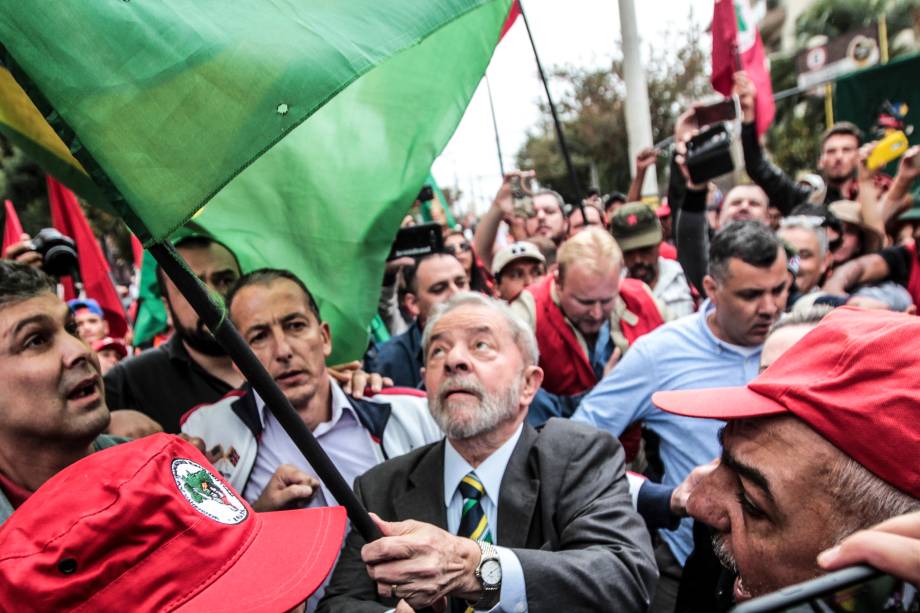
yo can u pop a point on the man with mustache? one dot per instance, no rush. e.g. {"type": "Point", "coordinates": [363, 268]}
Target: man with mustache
{"type": "Point", "coordinates": [720, 344]}
{"type": "Point", "coordinates": [638, 233]}
{"type": "Point", "coordinates": [496, 514]}
{"type": "Point", "coordinates": [817, 447]}
{"type": "Point", "coordinates": [52, 408]}
{"type": "Point", "coordinates": [191, 368]}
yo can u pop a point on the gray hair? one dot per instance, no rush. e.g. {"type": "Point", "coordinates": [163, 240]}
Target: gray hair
{"type": "Point", "coordinates": [811, 316]}
{"type": "Point", "coordinates": [865, 499]}
{"type": "Point", "coordinates": [521, 333]}
{"type": "Point", "coordinates": [806, 222]}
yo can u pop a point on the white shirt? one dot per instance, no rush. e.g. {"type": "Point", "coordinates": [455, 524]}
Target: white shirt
{"type": "Point", "coordinates": [513, 591]}
{"type": "Point", "coordinates": [343, 438]}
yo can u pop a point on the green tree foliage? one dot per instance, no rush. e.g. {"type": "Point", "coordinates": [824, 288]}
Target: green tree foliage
{"type": "Point", "coordinates": [593, 115]}
{"type": "Point", "coordinates": [794, 138]}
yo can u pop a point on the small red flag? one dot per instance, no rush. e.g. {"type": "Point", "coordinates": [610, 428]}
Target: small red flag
{"type": "Point", "coordinates": [68, 218]}
{"type": "Point", "coordinates": [513, 14]}
{"type": "Point", "coordinates": [12, 229]}
{"type": "Point", "coordinates": [736, 45]}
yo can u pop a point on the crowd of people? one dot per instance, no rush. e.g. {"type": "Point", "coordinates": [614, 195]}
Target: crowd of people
{"type": "Point", "coordinates": [602, 405]}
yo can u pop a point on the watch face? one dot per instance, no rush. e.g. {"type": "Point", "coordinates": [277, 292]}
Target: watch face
{"type": "Point", "coordinates": [491, 572]}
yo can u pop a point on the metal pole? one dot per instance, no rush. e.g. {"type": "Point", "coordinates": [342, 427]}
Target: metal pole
{"type": "Point", "coordinates": [552, 109]}
{"type": "Point", "coordinates": [498, 143]}
{"type": "Point", "coordinates": [229, 337]}
{"type": "Point", "coordinates": [638, 118]}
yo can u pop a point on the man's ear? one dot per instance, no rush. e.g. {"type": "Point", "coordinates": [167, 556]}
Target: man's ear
{"type": "Point", "coordinates": [710, 286]}
{"type": "Point", "coordinates": [533, 378]}
{"type": "Point", "coordinates": [327, 339]}
{"type": "Point", "coordinates": [556, 276]}
{"type": "Point", "coordinates": [411, 302]}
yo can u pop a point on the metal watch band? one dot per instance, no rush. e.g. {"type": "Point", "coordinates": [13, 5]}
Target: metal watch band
{"type": "Point", "coordinates": [490, 594]}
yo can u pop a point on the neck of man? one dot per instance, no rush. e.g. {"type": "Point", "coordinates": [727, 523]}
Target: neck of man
{"type": "Point", "coordinates": [220, 366]}
{"type": "Point", "coordinates": [475, 450]}
{"type": "Point", "coordinates": [29, 463]}
{"type": "Point", "coordinates": [318, 408]}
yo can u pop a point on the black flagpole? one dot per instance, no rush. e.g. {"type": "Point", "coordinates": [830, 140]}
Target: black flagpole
{"type": "Point", "coordinates": [214, 316]}
{"type": "Point", "coordinates": [552, 108]}
{"type": "Point", "coordinates": [498, 143]}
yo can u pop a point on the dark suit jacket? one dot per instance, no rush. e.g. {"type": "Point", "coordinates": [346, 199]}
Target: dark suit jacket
{"type": "Point", "coordinates": [564, 509]}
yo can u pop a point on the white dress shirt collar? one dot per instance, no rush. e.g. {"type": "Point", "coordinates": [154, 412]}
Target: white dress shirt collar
{"type": "Point", "coordinates": [490, 472]}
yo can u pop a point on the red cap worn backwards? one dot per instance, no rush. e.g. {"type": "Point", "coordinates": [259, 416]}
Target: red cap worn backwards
{"type": "Point", "coordinates": [149, 525]}
{"type": "Point", "coordinates": [853, 379]}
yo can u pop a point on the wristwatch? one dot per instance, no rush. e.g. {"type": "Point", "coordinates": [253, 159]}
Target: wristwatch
{"type": "Point", "coordinates": [489, 574]}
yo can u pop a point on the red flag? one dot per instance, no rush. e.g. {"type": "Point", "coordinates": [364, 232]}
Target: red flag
{"type": "Point", "coordinates": [68, 218]}
{"type": "Point", "coordinates": [12, 229]}
{"type": "Point", "coordinates": [513, 14]}
{"type": "Point", "coordinates": [736, 45]}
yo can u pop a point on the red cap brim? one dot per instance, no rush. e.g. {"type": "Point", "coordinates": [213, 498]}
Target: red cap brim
{"type": "Point", "coordinates": [288, 560]}
{"type": "Point", "coordinates": [725, 403]}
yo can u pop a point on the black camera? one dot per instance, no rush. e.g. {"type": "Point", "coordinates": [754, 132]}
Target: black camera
{"type": "Point", "coordinates": [425, 194]}
{"type": "Point", "coordinates": [709, 154]}
{"type": "Point", "coordinates": [59, 252]}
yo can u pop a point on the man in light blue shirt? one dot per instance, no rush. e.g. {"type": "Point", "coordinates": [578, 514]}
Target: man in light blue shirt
{"type": "Point", "coordinates": [497, 517]}
{"type": "Point", "coordinates": [747, 287]}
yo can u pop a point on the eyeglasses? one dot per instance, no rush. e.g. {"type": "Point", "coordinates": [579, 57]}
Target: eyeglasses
{"type": "Point", "coordinates": [463, 247]}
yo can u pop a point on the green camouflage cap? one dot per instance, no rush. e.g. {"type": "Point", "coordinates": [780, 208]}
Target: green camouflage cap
{"type": "Point", "coordinates": [635, 226]}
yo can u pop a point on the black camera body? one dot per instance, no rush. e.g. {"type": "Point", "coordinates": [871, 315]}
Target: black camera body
{"type": "Point", "coordinates": [709, 154]}
{"type": "Point", "coordinates": [59, 252]}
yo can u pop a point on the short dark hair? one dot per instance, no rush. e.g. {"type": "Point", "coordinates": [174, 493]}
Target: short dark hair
{"type": "Point", "coordinates": [613, 197]}
{"type": "Point", "coordinates": [193, 241]}
{"type": "Point", "coordinates": [20, 282]}
{"type": "Point", "coordinates": [750, 241]}
{"type": "Point", "coordinates": [551, 192]}
{"type": "Point", "coordinates": [844, 128]}
{"type": "Point", "coordinates": [267, 276]}
{"type": "Point", "coordinates": [410, 273]}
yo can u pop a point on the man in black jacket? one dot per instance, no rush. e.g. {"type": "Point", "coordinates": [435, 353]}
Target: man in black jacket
{"type": "Point", "coordinates": [838, 162]}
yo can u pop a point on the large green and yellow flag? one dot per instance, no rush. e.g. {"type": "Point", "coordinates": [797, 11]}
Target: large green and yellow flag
{"type": "Point", "coordinates": [297, 132]}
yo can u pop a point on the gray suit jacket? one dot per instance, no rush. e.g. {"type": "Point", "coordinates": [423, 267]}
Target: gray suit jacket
{"type": "Point", "coordinates": [564, 509]}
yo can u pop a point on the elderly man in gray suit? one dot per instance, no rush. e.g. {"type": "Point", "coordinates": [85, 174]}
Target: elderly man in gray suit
{"type": "Point", "coordinates": [497, 516]}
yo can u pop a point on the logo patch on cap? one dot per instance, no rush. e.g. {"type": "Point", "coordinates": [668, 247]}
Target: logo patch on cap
{"type": "Point", "coordinates": [208, 495]}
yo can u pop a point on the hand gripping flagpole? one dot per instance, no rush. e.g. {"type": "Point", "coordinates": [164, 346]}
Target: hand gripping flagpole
{"type": "Point", "coordinates": [215, 317]}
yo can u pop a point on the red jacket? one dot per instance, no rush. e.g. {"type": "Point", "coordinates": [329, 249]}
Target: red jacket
{"type": "Point", "coordinates": [566, 370]}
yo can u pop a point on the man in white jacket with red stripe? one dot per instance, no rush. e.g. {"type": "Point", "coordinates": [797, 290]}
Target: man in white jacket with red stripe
{"type": "Point", "coordinates": [279, 319]}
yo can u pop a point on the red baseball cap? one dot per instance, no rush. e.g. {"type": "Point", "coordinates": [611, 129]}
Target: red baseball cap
{"type": "Point", "coordinates": [853, 379]}
{"type": "Point", "coordinates": [111, 343]}
{"type": "Point", "coordinates": [150, 525]}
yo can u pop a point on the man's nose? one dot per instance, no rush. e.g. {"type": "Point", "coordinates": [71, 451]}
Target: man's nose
{"type": "Point", "coordinates": [707, 502]}
{"type": "Point", "coordinates": [74, 351]}
{"type": "Point", "coordinates": [597, 311]}
{"type": "Point", "coordinates": [457, 360]}
{"type": "Point", "coordinates": [283, 351]}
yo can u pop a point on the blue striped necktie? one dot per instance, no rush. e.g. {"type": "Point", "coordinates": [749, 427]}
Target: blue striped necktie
{"type": "Point", "coordinates": [473, 521]}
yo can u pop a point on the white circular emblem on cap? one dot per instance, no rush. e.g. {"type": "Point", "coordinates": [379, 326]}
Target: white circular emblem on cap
{"type": "Point", "coordinates": [207, 493]}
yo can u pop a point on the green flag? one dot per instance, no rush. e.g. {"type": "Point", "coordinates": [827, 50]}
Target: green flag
{"type": "Point", "coordinates": [860, 97]}
{"type": "Point", "coordinates": [306, 128]}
